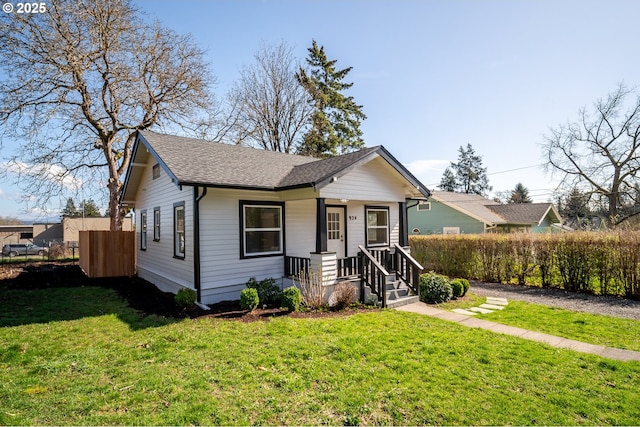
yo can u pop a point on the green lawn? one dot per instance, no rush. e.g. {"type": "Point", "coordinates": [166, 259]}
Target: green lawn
{"type": "Point", "coordinates": [591, 328]}
{"type": "Point", "coordinates": [81, 356]}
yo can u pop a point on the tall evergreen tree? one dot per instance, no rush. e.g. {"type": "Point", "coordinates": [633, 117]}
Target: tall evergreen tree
{"type": "Point", "coordinates": [470, 176]}
{"type": "Point", "coordinates": [448, 181]}
{"type": "Point", "coordinates": [575, 205]}
{"type": "Point", "coordinates": [70, 210]}
{"type": "Point", "coordinates": [335, 123]}
{"type": "Point", "coordinates": [520, 194]}
{"type": "Point", "coordinates": [89, 209]}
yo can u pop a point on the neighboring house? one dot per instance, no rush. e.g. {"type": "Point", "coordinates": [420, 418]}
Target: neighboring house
{"type": "Point", "coordinates": [210, 216]}
{"type": "Point", "coordinates": [46, 234]}
{"type": "Point", "coordinates": [71, 227]}
{"type": "Point", "coordinates": [458, 213]}
{"type": "Point", "coordinates": [16, 234]}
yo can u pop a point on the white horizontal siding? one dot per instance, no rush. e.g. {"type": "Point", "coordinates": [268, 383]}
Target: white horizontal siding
{"type": "Point", "coordinates": [301, 227]}
{"type": "Point", "coordinates": [157, 263]}
{"type": "Point", "coordinates": [223, 272]}
{"type": "Point", "coordinates": [356, 224]}
{"type": "Point", "coordinates": [375, 180]}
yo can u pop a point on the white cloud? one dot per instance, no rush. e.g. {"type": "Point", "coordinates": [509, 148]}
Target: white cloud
{"type": "Point", "coordinates": [419, 167]}
{"type": "Point", "coordinates": [429, 172]}
{"type": "Point", "coordinates": [44, 171]}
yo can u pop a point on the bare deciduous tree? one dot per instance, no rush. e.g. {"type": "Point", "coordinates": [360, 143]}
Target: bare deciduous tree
{"type": "Point", "coordinates": [599, 151]}
{"type": "Point", "coordinates": [81, 79]}
{"type": "Point", "coordinates": [271, 109]}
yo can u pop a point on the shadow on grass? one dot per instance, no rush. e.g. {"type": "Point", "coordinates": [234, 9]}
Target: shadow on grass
{"type": "Point", "coordinates": [49, 293]}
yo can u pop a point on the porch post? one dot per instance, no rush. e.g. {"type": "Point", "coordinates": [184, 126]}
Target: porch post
{"type": "Point", "coordinates": [321, 225]}
{"type": "Point", "coordinates": [403, 238]}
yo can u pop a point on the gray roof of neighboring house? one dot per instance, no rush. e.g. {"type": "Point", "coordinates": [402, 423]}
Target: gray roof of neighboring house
{"type": "Point", "coordinates": [190, 161]}
{"type": "Point", "coordinates": [470, 204]}
{"type": "Point", "coordinates": [524, 213]}
{"type": "Point", "coordinates": [492, 212]}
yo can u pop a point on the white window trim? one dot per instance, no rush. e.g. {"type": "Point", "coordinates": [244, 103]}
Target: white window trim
{"type": "Point", "coordinates": [156, 224]}
{"type": "Point", "coordinates": [424, 206]}
{"type": "Point", "coordinates": [244, 229]}
{"type": "Point", "coordinates": [176, 236]}
{"type": "Point", "coordinates": [143, 230]}
{"type": "Point", "coordinates": [386, 227]}
{"type": "Point", "coordinates": [450, 230]}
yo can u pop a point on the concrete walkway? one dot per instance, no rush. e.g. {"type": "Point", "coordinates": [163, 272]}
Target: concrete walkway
{"type": "Point", "coordinates": [552, 340]}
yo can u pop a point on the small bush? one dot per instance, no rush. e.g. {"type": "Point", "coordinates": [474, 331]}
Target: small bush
{"type": "Point", "coordinates": [291, 298]}
{"type": "Point", "coordinates": [457, 288]}
{"type": "Point", "coordinates": [268, 292]}
{"type": "Point", "coordinates": [463, 283]}
{"type": "Point", "coordinates": [435, 288]}
{"type": "Point", "coordinates": [249, 299]}
{"type": "Point", "coordinates": [344, 294]}
{"type": "Point", "coordinates": [466, 285]}
{"type": "Point", "coordinates": [310, 284]}
{"type": "Point", "coordinates": [185, 297]}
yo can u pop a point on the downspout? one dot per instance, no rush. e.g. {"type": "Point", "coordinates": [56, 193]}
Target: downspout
{"type": "Point", "coordinates": [197, 197]}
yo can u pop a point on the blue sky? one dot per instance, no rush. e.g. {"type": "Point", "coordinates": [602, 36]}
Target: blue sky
{"type": "Point", "coordinates": [434, 75]}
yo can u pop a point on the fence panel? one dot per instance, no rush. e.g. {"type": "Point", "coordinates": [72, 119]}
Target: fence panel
{"type": "Point", "coordinates": [107, 253]}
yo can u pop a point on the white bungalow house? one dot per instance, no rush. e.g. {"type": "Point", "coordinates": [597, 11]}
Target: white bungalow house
{"type": "Point", "coordinates": [209, 216]}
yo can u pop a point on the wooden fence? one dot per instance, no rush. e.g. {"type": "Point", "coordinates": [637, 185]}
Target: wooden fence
{"type": "Point", "coordinates": [108, 253]}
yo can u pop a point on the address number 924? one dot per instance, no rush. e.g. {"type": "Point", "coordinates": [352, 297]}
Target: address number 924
{"type": "Point", "coordinates": [31, 7]}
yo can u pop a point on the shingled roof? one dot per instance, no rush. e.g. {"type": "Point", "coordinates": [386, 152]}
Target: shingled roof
{"type": "Point", "coordinates": [493, 213]}
{"type": "Point", "coordinates": [524, 213]}
{"type": "Point", "coordinates": [190, 161]}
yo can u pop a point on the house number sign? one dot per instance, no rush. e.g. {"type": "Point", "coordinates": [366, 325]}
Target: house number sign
{"type": "Point", "coordinates": [352, 217]}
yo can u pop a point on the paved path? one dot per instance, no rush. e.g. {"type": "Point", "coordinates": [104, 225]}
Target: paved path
{"type": "Point", "coordinates": [599, 350]}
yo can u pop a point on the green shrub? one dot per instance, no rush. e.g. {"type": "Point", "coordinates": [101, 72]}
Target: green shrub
{"type": "Point", "coordinates": [249, 299]}
{"type": "Point", "coordinates": [291, 298]}
{"type": "Point", "coordinates": [435, 288]}
{"type": "Point", "coordinates": [464, 287]}
{"type": "Point", "coordinates": [185, 297]}
{"type": "Point", "coordinates": [465, 284]}
{"type": "Point", "coordinates": [268, 292]}
{"type": "Point", "coordinates": [457, 288]}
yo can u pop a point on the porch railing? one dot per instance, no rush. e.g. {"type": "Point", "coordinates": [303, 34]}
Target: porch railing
{"type": "Point", "coordinates": [407, 268]}
{"type": "Point", "coordinates": [294, 265]}
{"type": "Point", "coordinates": [349, 266]}
{"type": "Point", "coordinates": [372, 275]}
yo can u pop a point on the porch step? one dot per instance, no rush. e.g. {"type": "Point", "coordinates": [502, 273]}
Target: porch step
{"type": "Point", "coordinates": [398, 294]}
{"type": "Point", "coordinates": [392, 303]}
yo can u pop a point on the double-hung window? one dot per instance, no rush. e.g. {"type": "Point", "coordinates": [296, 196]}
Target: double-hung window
{"type": "Point", "coordinates": [143, 230]}
{"type": "Point", "coordinates": [262, 230]}
{"type": "Point", "coordinates": [156, 224]}
{"type": "Point", "coordinates": [377, 226]}
{"type": "Point", "coordinates": [179, 243]}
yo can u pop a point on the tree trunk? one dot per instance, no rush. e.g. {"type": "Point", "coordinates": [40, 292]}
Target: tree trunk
{"type": "Point", "coordinates": [116, 212]}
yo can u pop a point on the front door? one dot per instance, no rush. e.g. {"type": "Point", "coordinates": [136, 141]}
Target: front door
{"type": "Point", "coordinates": [335, 231]}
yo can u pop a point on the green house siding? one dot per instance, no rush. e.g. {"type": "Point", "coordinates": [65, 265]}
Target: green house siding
{"type": "Point", "coordinates": [440, 216]}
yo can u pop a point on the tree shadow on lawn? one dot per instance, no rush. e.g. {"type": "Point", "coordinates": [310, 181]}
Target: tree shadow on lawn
{"type": "Point", "coordinates": [48, 293]}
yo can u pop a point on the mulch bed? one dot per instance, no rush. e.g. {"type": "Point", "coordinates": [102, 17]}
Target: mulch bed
{"type": "Point", "coordinates": [146, 298]}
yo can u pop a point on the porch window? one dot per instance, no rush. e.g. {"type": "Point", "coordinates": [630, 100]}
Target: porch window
{"type": "Point", "coordinates": [143, 230]}
{"type": "Point", "coordinates": [156, 224]}
{"type": "Point", "coordinates": [262, 229]}
{"type": "Point", "coordinates": [377, 226]}
{"type": "Point", "coordinates": [179, 243]}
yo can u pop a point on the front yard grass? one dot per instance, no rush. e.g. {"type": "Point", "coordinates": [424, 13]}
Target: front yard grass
{"type": "Point", "coordinates": [82, 356]}
{"type": "Point", "coordinates": [591, 328]}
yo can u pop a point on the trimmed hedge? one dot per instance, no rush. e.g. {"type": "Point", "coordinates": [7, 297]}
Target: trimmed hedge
{"type": "Point", "coordinates": [601, 263]}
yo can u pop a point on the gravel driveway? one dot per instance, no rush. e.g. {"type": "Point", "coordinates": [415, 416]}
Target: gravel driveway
{"type": "Point", "coordinates": [608, 306]}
